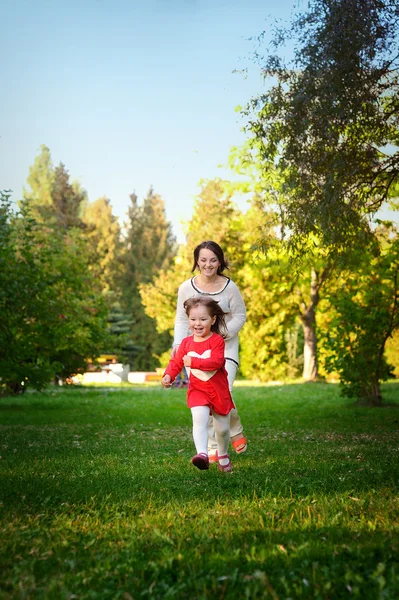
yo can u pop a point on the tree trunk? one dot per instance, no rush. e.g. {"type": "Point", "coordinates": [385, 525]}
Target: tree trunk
{"type": "Point", "coordinates": [308, 318]}
{"type": "Point", "coordinates": [370, 394]}
{"type": "Point", "coordinates": [310, 366]}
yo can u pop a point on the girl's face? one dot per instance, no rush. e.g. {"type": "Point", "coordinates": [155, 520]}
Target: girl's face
{"type": "Point", "coordinates": [200, 321]}
{"type": "Point", "coordinates": [208, 262]}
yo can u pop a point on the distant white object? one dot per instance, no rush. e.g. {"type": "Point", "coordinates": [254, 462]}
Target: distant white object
{"type": "Point", "coordinates": [116, 367]}
{"type": "Point", "coordinates": [136, 377]}
{"type": "Point", "coordinates": [112, 373]}
{"type": "Point", "coordinates": [95, 377]}
{"type": "Point", "coordinates": [116, 372]}
{"type": "Point", "coordinates": [145, 376]}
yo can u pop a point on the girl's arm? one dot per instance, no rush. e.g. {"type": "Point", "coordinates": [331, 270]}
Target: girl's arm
{"type": "Point", "coordinates": [175, 364]}
{"type": "Point", "coordinates": [216, 359]}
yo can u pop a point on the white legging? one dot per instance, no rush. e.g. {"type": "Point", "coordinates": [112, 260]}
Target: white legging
{"type": "Point", "coordinates": [235, 421]}
{"type": "Point", "coordinates": [221, 426]}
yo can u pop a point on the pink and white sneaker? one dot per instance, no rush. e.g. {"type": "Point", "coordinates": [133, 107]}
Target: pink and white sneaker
{"type": "Point", "coordinates": [224, 468]}
{"type": "Point", "coordinates": [201, 461]}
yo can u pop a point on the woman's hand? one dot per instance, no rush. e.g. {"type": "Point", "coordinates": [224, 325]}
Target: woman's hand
{"type": "Point", "coordinates": [187, 360]}
{"type": "Point", "coordinates": [166, 381]}
{"type": "Point", "coordinates": [174, 350]}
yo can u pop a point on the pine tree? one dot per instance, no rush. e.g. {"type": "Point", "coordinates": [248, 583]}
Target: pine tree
{"type": "Point", "coordinates": [38, 197]}
{"type": "Point", "coordinates": [149, 249]}
{"type": "Point", "coordinates": [52, 199]}
{"type": "Point", "coordinates": [103, 234]}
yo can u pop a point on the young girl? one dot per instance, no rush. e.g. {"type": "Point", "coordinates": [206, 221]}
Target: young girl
{"type": "Point", "coordinates": [208, 391]}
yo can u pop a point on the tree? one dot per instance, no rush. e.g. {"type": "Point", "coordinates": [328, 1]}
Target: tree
{"type": "Point", "coordinates": [52, 199]}
{"type": "Point", "coordinates": [365, 309]}
{"type": "Point", "coordinates": [103, 234]}
{"type": "Point", "coordinates": [308, 317]}
{"type": "Point", "coordinates": [149, 249]}
{"type": "Point", "coordinates": [392, 353]}
{"type": "Point", "coordinates": [40, 181]}
{"type": "Point", "coordinates": [281, 333]}
{"type": "Point", "coordinates": [329, 120]}
{"type": "Point", "coordinates": [293, 285]}
{"type": "Point", "coordinates": [68, 201]}
{"type": "Point", "coordinates": [52, 314]}
{"type": "Point", "coordinates": [216, 217]}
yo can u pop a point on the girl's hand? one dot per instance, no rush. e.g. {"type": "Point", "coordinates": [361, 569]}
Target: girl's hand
{"type": "Point", "coordinates": [166, 381]}
{"type": "Point", "coordinates": [187, 360]}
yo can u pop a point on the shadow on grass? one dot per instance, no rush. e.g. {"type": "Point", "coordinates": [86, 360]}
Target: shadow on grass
{"type": "Point", "coordinates": [187, 562]}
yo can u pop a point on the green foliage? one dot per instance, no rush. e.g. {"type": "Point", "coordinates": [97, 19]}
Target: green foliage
{"type": "Point", "coordinates": [52, 315]}
{"type": "Point", "coordinates": [392, 353]}
{"type": "Point", "coordinates": [40, 181]}
{"type": "Point", "coordinates": [52, 199]}
{"type": "Point", "coordinates": [22, 286]}
{"type": "Point", "coordinates": [365, 315]}
{"type": "Point", "coordinates": [159, 297]}
{"type": "Point", "coordinates": [271, 315]}
{"type": "Point", "coordinates": [216, 217]}
{"type": "Point", "coordinates": [103, 234]}
{"type": "Point", "coordinates": [100, 500]}
{"type": "Point", "coordinates": [329, 120]}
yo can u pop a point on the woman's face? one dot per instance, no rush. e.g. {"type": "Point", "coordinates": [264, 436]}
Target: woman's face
{"type": "Point", "coordinates": [208, 262]}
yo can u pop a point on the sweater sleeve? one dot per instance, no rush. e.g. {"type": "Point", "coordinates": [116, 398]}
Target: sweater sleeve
{"type": "Point", "coordinates": [181, 329]}
{"type": "Point", "coordinates": [215, 361]}
{"type": "Point", "coordinates": [176, 363]}
{"type": "Point", "coordinates": [237, 311]}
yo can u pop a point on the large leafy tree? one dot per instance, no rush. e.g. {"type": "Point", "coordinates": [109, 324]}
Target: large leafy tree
{"type": "Point", "coordinates": [149, 249]}
{"type": "Point", "coordinates": [364, 314]}
{"type": "Point", "coordinates": [64, 323]}
{"type": "Point", "coordinates": [52, 315]}
{"type": "Point", "coordinates": [281, 338]}
{"type": "Point", "coordinates": [266, 287]}
{"type": "Point", "coordinates": [329, 119]}
{"type": "Point", "coordinates": [294, 287]}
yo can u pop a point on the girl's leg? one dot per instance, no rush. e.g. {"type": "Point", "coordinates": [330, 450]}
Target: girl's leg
{"type": "Point", "coordinates": [221, 424]}
{"type": "Point", "coordinates": [200, 416]}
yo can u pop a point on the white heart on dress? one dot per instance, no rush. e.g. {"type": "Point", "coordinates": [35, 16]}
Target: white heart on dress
{"type": "Point", "coordinates": [202, 375]}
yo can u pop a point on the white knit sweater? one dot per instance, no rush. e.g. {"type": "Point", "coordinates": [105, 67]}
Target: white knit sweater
{"type": "Point", "coordinates": [231, 302]}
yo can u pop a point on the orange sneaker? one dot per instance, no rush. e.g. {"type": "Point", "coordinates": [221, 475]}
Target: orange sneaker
{"type": "Point", "coordinates": [213, 458]}
{"type": "Point", "coordinates": [240, 445]}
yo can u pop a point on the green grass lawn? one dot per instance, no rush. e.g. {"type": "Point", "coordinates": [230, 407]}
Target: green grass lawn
{"type": "Point", "coordinates": [99, 498]}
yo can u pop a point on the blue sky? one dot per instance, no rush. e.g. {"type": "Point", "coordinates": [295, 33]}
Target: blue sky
{"type": "Point", "coordinates": [128, 94]}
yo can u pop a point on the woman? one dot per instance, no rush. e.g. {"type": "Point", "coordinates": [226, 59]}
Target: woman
{"type": "Point", "coordinates": [209, 259]}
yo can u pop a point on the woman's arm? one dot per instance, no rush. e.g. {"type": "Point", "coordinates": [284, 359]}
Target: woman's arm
{"type": "Point", "coordinates": [237, 310]}
{"type": "Point", "coordinates": [181, 329]}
